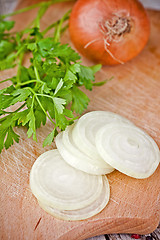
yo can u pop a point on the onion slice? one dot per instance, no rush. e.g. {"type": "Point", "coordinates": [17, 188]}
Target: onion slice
{"type": "Point", "coordinates": [76, 158]}
{"type": "Point", "coordinates": [128, 149]}
{"type": "Point", "coordinates": [80, 214]}
{"type": "Point", "coordinates": [86, 127]}
{"type": "Point", "coordinates": [58, 185]}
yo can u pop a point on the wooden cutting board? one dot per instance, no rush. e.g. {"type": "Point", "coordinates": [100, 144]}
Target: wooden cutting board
{"type": "Point", "coordinates": [134, 206]}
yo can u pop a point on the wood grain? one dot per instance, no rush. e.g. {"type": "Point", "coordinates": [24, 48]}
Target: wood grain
{"type": "Point", "coordinates": [134, 206]}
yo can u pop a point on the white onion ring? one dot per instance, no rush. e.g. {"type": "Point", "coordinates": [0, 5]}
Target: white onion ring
{"type": "Point", "coordinates": [128, 149]}
{"type": "Point", "coordinates": [76, 158]}
{"type": "Point", "coordinates": [87, 126]}
{"type": "Point", "coordinates": [57, 184]}
{"type": "Point", "coordinates": [80, 214]}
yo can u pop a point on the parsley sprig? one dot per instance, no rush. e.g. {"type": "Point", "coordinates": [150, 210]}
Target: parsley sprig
{"type": "Point", "coordinates": [49, 87]}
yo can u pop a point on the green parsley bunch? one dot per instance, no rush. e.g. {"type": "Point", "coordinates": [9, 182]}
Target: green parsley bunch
{"type": "Point", "coordinates": [49, 88]}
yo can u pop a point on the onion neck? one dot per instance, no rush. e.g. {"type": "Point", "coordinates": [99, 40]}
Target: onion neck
{"type": "Point", "coordinates": [115, 27]}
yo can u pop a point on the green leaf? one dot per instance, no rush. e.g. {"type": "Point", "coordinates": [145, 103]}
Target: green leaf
{"type": "Point", "coordinates": [79, 100]}
{"type": "Point", "coordinates": [22, 117]}
{"type": "Point", "coordinates": [37, 57]}
{"type": "Point", "coordinates": [9, 89]}
{"type": "Point", "coordinates": [59, 104]}
{"type": "Point", "coordinates": [6, 121]}
{"type": "Point", "coordinates": [6, 25]}
{"type": "Point", "coordinates": [2, 112]}
{"type": "Point", "coordinates": [75, 68]}
{"type": "Point", "coordinates": [59, 86]}
{"type": "Point", "coordinates": [102, 82]}
{"type": "Point", "coordinates": [6, 48]}
{"type": "Point", "coordinates": [86, 77]}
{"type": "Point", "coordinates": [40, 117]}
{"type": "Point", "coordinates": [31, 72]}
{"type": "Point", "coordinates": [24, 75]}
{"type": "Point", "coordinates": [65, 53]}
{"type": "Point", "coordinates": [48, 105]}
{"type": "Point", "coordinates": [98, 84]}
{"type": "Point", "coordinates": [68, 113]}
{"type": "Point", "coordinates": [5, 101]}
{"type": "Point", "coordinates": [8, 136]}
{"type": "Point", "coordinates": [95, 68]}
{"type": "Point", "coordinates": [8, 62]}
{"type": "Point", "coordinates": [32, 125]}
{"type": "Point", "coordinates": [49, 139]}
{"type": "Point", "coordinates": [11, 137]}
{"type": "Point", "coordinates": [47, 47]}
{"type": "Point", "coordinates": [61, 121]}
{"type": "Point", "coordinates": [51, 68]}
{"type": "Point", "coordinates": [65, 94]}
{"type": "Point", "coordinates": [35, 32]}
{"type": "Point", "coordinates": [20, 95]}
{"type": "Point", "coordinates": [3, 135]}
{"type": "Point", "coordinates": [45, 88]}
{"type": "Point", "coordinates": [70, 78]}
{"type": "Point", "coordinates": [32, 46]}
{"type": "Point", "coordinates": [51, 82]}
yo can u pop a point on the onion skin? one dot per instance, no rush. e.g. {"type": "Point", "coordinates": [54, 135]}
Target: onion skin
{"type": "Point", "coordinates": [91, 37]}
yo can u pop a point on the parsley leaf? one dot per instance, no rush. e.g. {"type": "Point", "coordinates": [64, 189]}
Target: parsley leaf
{"type": "Point", "coordinates": [59, 104]}
{"type": "Point", "coordinates": [79, 100]}
{"type": "Point", "coordinates": [6, 25]}
{"type": "Point", "coordinates": [32, 126]}
{"type": "Point", "coordinates": [6, 48]}
{"type": "Point", "coordinates": [50, 137]}
{"type": "Point", "coordinates": [11, 137]}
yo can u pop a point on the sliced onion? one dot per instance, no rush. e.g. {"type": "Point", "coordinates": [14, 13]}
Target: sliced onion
{"type": "Point", "coordinates": [58, 185]}
{"type": "Point", "coordinates": [128, 149]}
{"type": "Point", "coordinates": [87, 126]}
{"type": "Point", "coordinates": [76, 158]}
{"type": "Point", "coordinates": [79, 214]}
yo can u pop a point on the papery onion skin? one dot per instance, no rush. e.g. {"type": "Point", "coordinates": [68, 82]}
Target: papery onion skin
{"type": "Point", "coordinates": [88, 32]}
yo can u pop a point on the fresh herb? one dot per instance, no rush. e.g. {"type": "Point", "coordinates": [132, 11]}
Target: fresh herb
{"type": "Point", "coordinates": [49, 87]}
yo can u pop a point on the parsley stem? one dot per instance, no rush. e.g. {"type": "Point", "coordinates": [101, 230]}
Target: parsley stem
{"type": "Point", "coordinates": [33, 101]}
{"type": "Point", "coordinates": [54, 25]}
{"type": "Point", "coordinates": [41, 12]}
{"type": "Point", "coordinates": [28, 82]}
{"type": "Point", "coordinates": [19, 67]}
{"type": "Point", "coordinates": [37, 77]}
{"type": "Point", "coordinates": [37, 74]}
{"type": "Point", "coordinates": [8, 79]}
{"type": "Point", "coordinates": [20, 50]}
{"type": "Point", "coordinates": [59, 27]}
{"type": "Point", "coordinates": [31, 7]}
{"type": "Point", "coordinates": [21, 10]}
{"type": "Point", "coordinates": [44, 95]}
